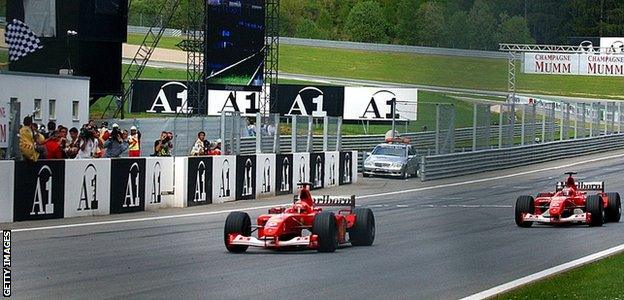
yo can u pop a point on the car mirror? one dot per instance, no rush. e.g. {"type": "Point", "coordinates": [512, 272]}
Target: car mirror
{"type": "Point", "coordinates": [368, 153]}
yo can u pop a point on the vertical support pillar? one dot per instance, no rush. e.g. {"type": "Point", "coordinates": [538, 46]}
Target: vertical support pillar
{"type": "Point", "coordinates": [293, 135]}
{"type": "Point", "coordinates": [339, 135]}
{"type": "Point", "coordinates": [437, 130]}
{"type": "Point", "coordinates": [310, 145]}
{"type": "Point", "coordinates": [500, 126]}
{"type": "Point", "coordinates": [276, 135]}
{"type": "Point", "coordinates": [475, 124]}
{"type": "Point", "coordinates": [523, 126]}
{"type": "Point", "coordinates": [325, 133]}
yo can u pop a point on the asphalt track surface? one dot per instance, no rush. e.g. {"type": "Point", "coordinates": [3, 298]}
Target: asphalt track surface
{"type": "Point", "coordinates": [445, 240]}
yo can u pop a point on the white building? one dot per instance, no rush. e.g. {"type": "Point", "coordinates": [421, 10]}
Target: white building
{"type": "Point", "coordinates": [58, 98]}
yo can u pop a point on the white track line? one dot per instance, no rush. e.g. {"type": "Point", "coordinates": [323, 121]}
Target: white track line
{"type": "Point", "coordinates": [495, 291]}
{"type": "Point", "coordinates": [359, 197]}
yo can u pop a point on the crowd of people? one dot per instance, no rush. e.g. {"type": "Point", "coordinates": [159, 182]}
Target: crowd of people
{"type": "Point", "coordinates": [59, 142]}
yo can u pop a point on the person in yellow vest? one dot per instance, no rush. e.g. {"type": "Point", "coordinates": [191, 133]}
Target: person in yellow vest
{"type": "Point", "coordinates": [134, 142]}
{"type": "Point", "coordinates": [30, 140]}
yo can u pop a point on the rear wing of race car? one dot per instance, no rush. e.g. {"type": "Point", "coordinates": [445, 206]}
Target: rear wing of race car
{"type": "Point", "coordinates": [584, 186]}
{"type": "Point", "coordinates": [326, 200]}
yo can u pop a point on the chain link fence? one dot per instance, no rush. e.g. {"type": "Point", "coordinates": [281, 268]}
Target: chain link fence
{"type": "Point", "coordinates": [482, 119]}
{"type": "Point", "coordinates": [445, 129]}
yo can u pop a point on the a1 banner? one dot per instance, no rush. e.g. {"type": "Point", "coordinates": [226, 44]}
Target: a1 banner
{"type": "Point", "coordinates": [158, 182]}
{"type": "Point", "coordinates": [224, 178]}
{"type": "Point", "coordinates": [305, 100]}
{"type": "Point", "coordinates": [246, 179]}
{"type": "Point", "coordinates": [199, 182]}
{"type": "Point", "coordinates": [245, 102]}
{"type": "Point", "coordinates": [317, 170]}
{"type": "Point", "coordinates": [163, 97]}
{"type": "Point", "coordinates": [40, 190]}
{"type": "Point", "coordinates": [346, 167]}
{"type": "Point", "coordinates": [332, 168]}
{"type": "Point", "coordinates": [284, 174]}
{"type": "Point", "coordinates": [301, 169]}
{"type": "Point", "coordinates": [266, 172]}
{"type": "Point", "coordinates": [375, 104]}
{"type": "Point", "coordinates": [127, 185]}
{"type": "Point", "coordinates": [87, 191]}
{"type": "Point", "coordinates": [7, 168]}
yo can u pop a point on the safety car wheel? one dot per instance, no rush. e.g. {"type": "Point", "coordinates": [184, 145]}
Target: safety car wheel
{"type": "Point", "coordinates": [363, 231]}
{"type": "Point", "coordinates": [524, 204]}
{"type": "Point", "coordinates": [404, 174]}
{"type": "Point", "coordinates": [236, 223]}
{"type": "Point", "coordinates": [613, 212]}
{"type": "Point", "coordinates": [594, 206]}
{"type": "Point", "coordinates": [325, 228]}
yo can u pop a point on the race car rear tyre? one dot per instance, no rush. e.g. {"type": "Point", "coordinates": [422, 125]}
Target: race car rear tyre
{"type": "Point", "coordinates": [613, 212]}
{"type": "Point", "coordinates": [594, 206]}
{"type": "Point", "coordinates": [524, 205]}
{"type": "Point", "coordinates": [363, 231]}
{"type": "Point", "coordinates": [325, 228]}
{"type": "Point", "coordinates": [236, 223]}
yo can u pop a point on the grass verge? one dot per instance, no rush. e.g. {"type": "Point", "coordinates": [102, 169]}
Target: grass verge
{"type": "Point", "coordinates": [599, 280]}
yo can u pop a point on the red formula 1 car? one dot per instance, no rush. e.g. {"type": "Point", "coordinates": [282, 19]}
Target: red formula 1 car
{"type": "Point", "coordinates": [304, 224]}
{"type": "Point", "coordinates": [572, 202]}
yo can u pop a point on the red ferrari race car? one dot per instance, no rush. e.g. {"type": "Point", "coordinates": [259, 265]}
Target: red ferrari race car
{"type": "Point", "coordinates": [571, 202]}
{"type": "Point", "coordinates": [304, 224]}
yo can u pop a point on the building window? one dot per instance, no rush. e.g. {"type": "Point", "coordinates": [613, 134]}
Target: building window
{"type": "Point", "coordinates": [37, 110]}
{"type": "Point", "coordinates": [52, 109]}
{"type": "Point", "coordinates": [76, 110]}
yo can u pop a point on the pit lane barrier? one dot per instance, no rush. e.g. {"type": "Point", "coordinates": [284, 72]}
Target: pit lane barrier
{"type": "Point", "coordinates": [54, 189]}
{"type": "Point", "coordinates": [457, 164]}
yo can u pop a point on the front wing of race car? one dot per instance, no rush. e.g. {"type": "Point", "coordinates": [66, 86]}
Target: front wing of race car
{"type": "Point", "coordinates": [583, 218]}
{"type": "Point", "coordinates": [310, 241]}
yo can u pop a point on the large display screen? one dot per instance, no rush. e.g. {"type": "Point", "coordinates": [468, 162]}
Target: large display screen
{"type": "Point", "coordinates": [234, 51]}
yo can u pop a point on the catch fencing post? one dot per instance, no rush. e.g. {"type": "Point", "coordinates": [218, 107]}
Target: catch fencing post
{"type": "Point", "coordinates": [276, 135]}
{"type": "Point", "coordinates": [500, 127]}
{"type": "Point", "coordinates": [325, 133]}
{"type": "Point", "coordinates": [339, 135]}
{"type": "Point", "coordinates": [258, 133]}
{"type": "Point", "coordinates": [437, 132]}
{"type": "Point", "coordinates": [310, 146]}
{"type": "Point", "coordinates": [474, 126]}
{"type": "Point", "coordinates": [293, 135]}
{"type": "Point", "coordinates": [522, 127]}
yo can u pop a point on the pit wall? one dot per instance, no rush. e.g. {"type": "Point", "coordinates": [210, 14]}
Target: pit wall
{"type": "Point", "coordinates": [54, 189]}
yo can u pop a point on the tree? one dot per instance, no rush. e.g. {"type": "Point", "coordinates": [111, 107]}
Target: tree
{"type": "Point", "coordinates": [457, 32]}
{"type": "Point", "coordinates": [514, 30]}
{"type": "Point", "coordinates": [407, 22]}
{"type": "Point", "coordinates": [366, 23]}
{"type": "Point", "coordinates": [431, 25]}
{"type": "Point", "coordinates": [309, 30]}
{"type": "Point", "coordinates": [482, 27]}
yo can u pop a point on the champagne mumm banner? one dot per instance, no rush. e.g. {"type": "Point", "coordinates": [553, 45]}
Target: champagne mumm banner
{"type": "Point", "coordinates": [584, 64]}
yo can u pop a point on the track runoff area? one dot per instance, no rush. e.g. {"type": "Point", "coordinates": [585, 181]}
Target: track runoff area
{"type": "Point", "coordinates": [446, 239]}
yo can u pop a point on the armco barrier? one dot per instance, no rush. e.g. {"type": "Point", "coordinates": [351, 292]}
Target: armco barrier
{"type": "Point", "coordinates": [451, 165]}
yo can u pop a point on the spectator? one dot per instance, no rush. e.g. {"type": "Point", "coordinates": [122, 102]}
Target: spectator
{"type": "Point", "coordinates": [271, 129]}
{"type": "Point", "coordinates": [251, 127]}
{"type": "Point", "coordinates": [51, 129]}
{"type": "Point", "coordinates": [53, 146]}
{"type": "Point", "coordinates": [30, 140]}
{"type": "Point", "coordinates": [71, 150]}
{"type": "Point", "coordinates": [88, 145]}
{"type": "Point", "coordinates": [216, 150]}
{"type": "Point", "coordinates": [115, 145]}
{"type": "Point", "coordinates": [104, 132]}
{"type": "Point", "coordinates": [163, 146]}
{"type": "Point", "coordinates": [198, 147]}
{"type": "Point", "coordinates": [134, 141]}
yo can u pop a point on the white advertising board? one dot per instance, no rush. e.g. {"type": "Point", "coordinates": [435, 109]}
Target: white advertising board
{"type": "Point", "coordinates": [87, 187]}
{"type": "Point", "coordinates": [585, 64]}
{"type": "Point", "coordinates": [368, 103]}
{"type": "Point", "coordinates": [245, 102]}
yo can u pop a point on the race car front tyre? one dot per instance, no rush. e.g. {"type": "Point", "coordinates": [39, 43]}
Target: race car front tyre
{"type": "Point", "coordinates": [613, 212]}
{"type": "Point", "coordinates": [363, 231]}
{"type": "Point", "coordinates": [325, 228]}
{"type": "Point", "coordinates": [524, 205]}
{"type": "Point", "coordinates": [594, 206]}
{"type": "Point", "coordinates": [236, 223]}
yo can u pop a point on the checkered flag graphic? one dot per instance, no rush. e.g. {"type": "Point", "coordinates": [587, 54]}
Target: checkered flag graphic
{"type": "Point", "coordinates": [21, 40]}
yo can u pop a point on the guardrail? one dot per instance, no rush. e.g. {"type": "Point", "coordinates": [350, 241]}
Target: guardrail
{"type": "Point", "coordinates": [458, 164]}
{"type": "Point", "coordinates": [356, 46]}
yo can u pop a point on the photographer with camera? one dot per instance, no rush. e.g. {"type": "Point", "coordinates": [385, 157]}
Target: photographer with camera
{"type": "Point", "coordinates": [115, 145]}
{"type": "Point", "coordinates": [163, 146]}
{"type": "Point", "coordinates": [88, 145]}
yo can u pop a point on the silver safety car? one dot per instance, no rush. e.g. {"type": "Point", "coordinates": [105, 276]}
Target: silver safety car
{"type": "Point", "coordinates": [392, 159]}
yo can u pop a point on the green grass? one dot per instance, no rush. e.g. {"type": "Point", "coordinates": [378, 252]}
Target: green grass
{"type": "Point", "coordinates": [164, 42]}
{"type": "Point", "coordinates": [448, 71]}
{"type": "Point", "coordinates": [601, 280]}
{"type": "Point", "coordinates": [4, 58]}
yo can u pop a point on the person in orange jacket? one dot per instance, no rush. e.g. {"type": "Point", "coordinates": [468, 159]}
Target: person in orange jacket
{"type": "Point", "coordinates": [134, 142]}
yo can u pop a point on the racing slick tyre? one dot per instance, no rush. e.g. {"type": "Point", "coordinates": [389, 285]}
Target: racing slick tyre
{"type": "Point", "coordinates": [236, 223]}
{"type": "Point", "coordinates": [613, 212]}
{"type": "Point", "coordinates": [325, 228]}
{"type": "Point", "coordinates": [363, 231]}
{"type": "Point", "coordinates": [594, 206]}
{"type": "Point", "coordinates": [524, 204]}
